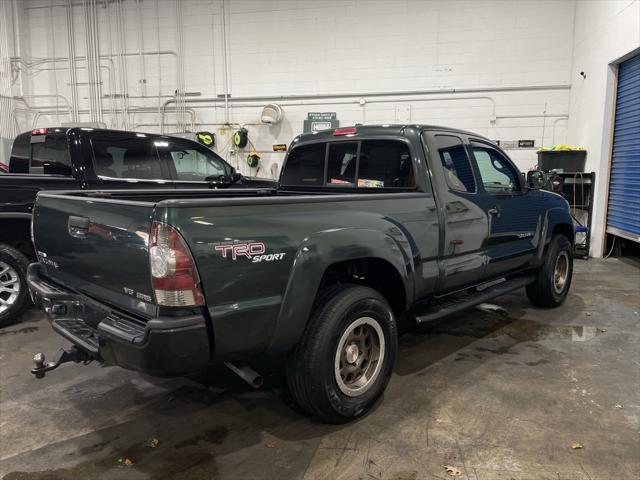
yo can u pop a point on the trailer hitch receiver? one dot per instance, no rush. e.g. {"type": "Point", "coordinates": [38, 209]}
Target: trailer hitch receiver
{"type": "Point", "coordinates": [73, 354]}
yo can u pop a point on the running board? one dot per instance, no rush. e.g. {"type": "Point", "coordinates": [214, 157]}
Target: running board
{"type": "Point", "coordinates": [461, 301]}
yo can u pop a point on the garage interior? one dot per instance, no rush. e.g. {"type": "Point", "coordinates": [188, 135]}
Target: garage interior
{"type": "Point", "coordinates": [515, 393]}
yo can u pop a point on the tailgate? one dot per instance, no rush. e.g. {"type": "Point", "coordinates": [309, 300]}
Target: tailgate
{"type": "Point", "coordinates": [97, 246]}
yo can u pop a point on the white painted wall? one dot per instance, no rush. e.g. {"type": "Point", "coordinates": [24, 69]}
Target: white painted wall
{"type": "Point", "coordinates": [7, 50]}
{"type": "Point", "coordinates": [605, 32]}
{"type": "Point", "coordinates": [359, 47]}
{"type": "Point", "coordinates": [309, 47]}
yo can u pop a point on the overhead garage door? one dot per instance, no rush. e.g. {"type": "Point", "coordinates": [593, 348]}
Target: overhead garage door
{"type": "Point", "coordinates": [623, 217]}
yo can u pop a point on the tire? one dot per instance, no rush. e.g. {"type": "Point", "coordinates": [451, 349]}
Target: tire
{"type": "Point", "coordinates": [551, 287]}
{"type": "Point", "coordinates": [14, 295]}
{"type": "Point", "coordinates": [357, 321]}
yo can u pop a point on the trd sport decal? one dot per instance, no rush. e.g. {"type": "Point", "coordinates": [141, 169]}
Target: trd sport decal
{"type": "Point", "coordinates": [252, 250]}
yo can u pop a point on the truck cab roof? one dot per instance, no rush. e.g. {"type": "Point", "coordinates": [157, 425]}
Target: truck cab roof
{"type": "Point", "coordinates": [68, 130]}
{"type": "Point", "coordinates": [377, 130]}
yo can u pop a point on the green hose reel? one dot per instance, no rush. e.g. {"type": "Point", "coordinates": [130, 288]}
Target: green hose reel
{"type": "Point", "coordinates": [253, 159]}
{"type": "Point", "coordinates": [241, 138]}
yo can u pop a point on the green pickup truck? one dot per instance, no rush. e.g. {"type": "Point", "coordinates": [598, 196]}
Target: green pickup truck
{"type": "Point", "coordinates": [368, 226]}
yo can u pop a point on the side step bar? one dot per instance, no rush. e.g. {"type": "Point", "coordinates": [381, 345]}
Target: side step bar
{"type": "Point", "coordinates": [461, 301]}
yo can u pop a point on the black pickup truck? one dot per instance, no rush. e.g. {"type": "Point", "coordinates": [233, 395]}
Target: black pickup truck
{"type": "Point", "coordinates": [87, 158]}
{"type": "Point", "coordinates": [369, 226]}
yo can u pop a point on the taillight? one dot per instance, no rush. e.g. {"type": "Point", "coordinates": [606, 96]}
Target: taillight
{"type": "Point", "coordinates": [338, 132]}
{"type": "Point", "coordinates": [174, 276]}
{"type": "Point", "coordinates": [40, 131]}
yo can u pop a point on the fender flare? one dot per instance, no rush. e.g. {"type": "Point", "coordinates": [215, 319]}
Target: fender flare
{"type": "Point", "coordinates": [318, 252]}
{"type": "Point", "coordinates": [554, 217]}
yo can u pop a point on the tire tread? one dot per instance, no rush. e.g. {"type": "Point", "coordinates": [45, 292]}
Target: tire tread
{"type": "Point", "coordinates": [299, 369]}
{"type": "Point", "coordinates": [540, 292]}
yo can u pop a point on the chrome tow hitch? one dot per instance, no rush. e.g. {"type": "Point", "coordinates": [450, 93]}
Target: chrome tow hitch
{"type": "Point", "coordinates": [73, 354]}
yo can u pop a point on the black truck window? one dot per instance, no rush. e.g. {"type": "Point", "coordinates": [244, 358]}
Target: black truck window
{"type": "Point", "coordinates": [457, 168]}
{"type": "Point", "coordinates": [132, 157]}
{"type": "Point", "coordinates": [20, 152]}
{"type": "Point", "coordinates": [305, 165]}
{"type": "Point", "coordinates": [50, 155]}
{"type": "Point", "coordinates": [365, 164]}
{"type": "Point", "coordinates": [192, 163]}
{"type": "Point", "coordinates": [496, 173]}
{"type": "Point", "coordinates": [342, 163]}
{"type": "Point", "coordinates": [385, 164]}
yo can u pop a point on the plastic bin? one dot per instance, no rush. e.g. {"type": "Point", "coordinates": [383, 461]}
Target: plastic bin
{"type": "Point", "coordinates": [565, 160]}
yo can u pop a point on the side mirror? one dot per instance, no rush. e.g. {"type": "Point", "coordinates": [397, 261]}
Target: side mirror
{"type": "Point", "coordinates": [535, 180]}
{"type": "Point", "coordinates": [235, 175]}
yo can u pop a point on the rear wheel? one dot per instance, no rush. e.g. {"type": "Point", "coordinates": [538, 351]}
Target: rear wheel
{"type": "Point", "coordinates": [14, 297]}
{"type": "Point", "coordinates": [345, 359]}
{"type": "Point", "coordinates": [553, 280]}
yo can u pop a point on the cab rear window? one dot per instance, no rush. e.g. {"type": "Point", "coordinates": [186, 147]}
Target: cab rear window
{"type": "Point", "coordinates": [385, 164]}
{"type": "Point", "coordinates": [341, 163]}
{"type": "Point", "coordinates": [305, 166]}
{"type": "Point", "coordinates": [51, 156]}
{"type": "Point", "coordinates": [370, 164]}
{"type": "Point", "coordinates": [40, 154]}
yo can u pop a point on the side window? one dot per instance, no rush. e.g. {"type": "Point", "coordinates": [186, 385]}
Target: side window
{"type": "Point", "coordinates": [457, 168]}
{"type": "Point", "coordinates": [126, 158]}
{"type": "Point", "coordinates": [385, 164]}
{"type": "Point", "coordinates": [192, 163]}
{"type": "Point", "coordinates": [305, 166]}
{"type": "Point", "coordinates": [50, 156]}
{"type": "Point", "coordinates": [496, 173]}
{"type": "Point", "coordinates": [342, 162]}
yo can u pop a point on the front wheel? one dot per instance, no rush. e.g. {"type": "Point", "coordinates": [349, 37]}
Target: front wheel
{"type": "Point", "coordinates": [345, 359]}
{"type": "Point", "coordinates": [551, 286]}
{"type": "Point", "coordinates": [14, 297]}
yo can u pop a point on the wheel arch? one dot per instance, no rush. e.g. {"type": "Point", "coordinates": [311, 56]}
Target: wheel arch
{"type": "Point", "coordinates": [327, 258]}
{"type": "Point", "coordinates": [15, 231]}
{"type": "Point", "coordinates": [374, 272]}
{"type": "Point", "coordinates": [556, 221]}
{"type": "Point", "coordinates": [564, 229]}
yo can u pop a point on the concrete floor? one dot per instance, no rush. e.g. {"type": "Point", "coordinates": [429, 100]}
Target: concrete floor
{"type": "Point", "coordinates": [494, 397]}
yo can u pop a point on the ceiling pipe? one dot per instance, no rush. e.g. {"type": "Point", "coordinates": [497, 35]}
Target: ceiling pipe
{"type": "Point", "coordinates": [308, 99]}
{"type": "Point", "coordinates": [225, 62]}
{"type": "Point", "coordinates": [438, 91]}
{"type": "Point", "coordinates": [72, 61]}
{"type": "Point", "coordinates": [132, 110]}
{"type": "Point", "coordinates": [537, 115]}
{"type": "Point", "coordinates": [96, 58]}
{"type": "Point", "coordinates": [39, 60]}
{"type": "Point", "coordinates": [312, 102]}
{"type": "Point", "coordinates": [57, 96]}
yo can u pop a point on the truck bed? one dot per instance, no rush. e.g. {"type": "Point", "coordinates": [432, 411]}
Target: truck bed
{"type": "Point", "coordinates": [109, 260]}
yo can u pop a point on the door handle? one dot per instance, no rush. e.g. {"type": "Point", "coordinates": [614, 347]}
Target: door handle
{"type": "Point", "coordinates": [494, 211]}
{"type": "Point", "coordinates": [78, 226]}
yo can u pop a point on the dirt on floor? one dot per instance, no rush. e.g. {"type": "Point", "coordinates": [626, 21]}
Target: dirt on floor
{"type": "Point", "coordinates": [536, 394]}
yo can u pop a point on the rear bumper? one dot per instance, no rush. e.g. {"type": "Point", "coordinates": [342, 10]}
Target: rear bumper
{"type": "Point", "coordinates": [161, 347]}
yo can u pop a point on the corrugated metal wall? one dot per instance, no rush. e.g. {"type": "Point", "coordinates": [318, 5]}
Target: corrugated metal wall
{"type": "Point", "coordinates": [623, 217]}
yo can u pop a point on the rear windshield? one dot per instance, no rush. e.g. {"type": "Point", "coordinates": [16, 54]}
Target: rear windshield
{"type": "Point", "coordinates": [305, 166]}
{"type": "Point", "coordinates": [361, 164]}
{"type": "Point", "coordinates": [41, 154]}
